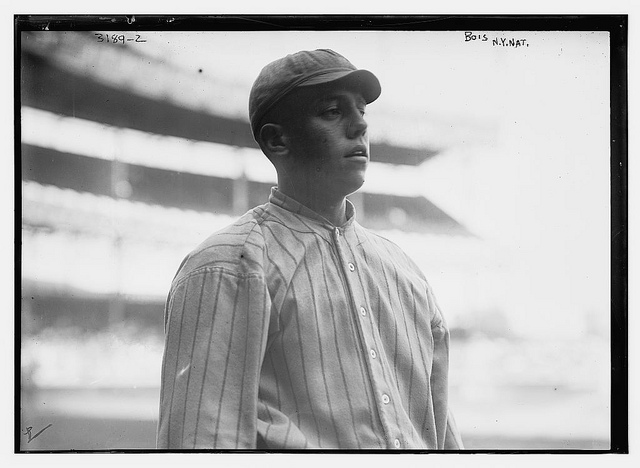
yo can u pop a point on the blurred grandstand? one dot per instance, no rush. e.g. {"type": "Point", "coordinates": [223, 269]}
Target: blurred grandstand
{"type": "Point", "coordinates": [130, 160]}
{"type": "Point", "coordinates": [124, 172]}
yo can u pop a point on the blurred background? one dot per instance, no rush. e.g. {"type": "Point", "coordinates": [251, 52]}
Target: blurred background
{"type": "Point", "coordinates": [490, 168]}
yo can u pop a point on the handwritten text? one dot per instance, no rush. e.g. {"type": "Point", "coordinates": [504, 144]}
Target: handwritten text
{"type": "Point", "coordinates": [515, 42]}
{"type": "Point", "coordinates": [30, 437]}
{"type": "Point", "coordinates": [118, 38]}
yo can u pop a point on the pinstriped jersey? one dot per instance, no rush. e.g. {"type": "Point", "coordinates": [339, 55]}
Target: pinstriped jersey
{"type": "Point", "coordinates": [286, 332]}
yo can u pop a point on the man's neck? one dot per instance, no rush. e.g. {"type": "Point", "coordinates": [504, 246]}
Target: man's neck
{"type": "Point", "coordinates": [333, 209]}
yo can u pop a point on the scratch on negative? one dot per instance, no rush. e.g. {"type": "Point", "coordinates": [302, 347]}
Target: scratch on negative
{"type": "Point", "coordinates": [184, 370]}
{"type": "Point", "coordinates": [617, 234]}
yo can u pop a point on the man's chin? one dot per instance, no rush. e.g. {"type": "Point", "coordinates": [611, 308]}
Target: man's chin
{"type": "Point", "coordinates": [354, 185]}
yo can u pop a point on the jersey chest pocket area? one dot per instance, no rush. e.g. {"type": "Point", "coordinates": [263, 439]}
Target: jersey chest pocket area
{"type": "Point", "coordinates": [319, 309]}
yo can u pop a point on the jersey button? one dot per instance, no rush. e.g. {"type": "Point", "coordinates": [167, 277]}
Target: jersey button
{"type": "Point", "coordinates": [352, 267]}
{"type": "Point", "coordinates": [363, 311]}
{"type": "Point", "coordinates": [396, 443]}
{"type": "Point", "coordinates": [373, 355]}
{"type": "Point", "coordinates": [385, 399]}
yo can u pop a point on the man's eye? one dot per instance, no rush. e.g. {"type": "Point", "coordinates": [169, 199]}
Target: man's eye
{"type": "Point", "coordinates": [333, 111]}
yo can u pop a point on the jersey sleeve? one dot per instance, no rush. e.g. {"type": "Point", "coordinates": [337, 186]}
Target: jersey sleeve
{"type": "Point", "coordinates": [216, 324]}
{"type": "Point", "coordinates": [447, 431]}
{"type": "Point", "coordinates": [452, 438]}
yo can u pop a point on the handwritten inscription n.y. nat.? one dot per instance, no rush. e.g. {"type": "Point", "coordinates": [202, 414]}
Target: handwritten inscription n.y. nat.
{"type": "Point", "coordinates": [509, 42]}
{"type": "Point", "coordinates": [513, 42]}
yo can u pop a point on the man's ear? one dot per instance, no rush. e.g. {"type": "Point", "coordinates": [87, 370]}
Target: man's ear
{"type": "Point", "coordinates": [272, 139]}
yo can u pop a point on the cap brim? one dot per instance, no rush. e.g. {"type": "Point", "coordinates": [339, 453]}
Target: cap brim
{"type": "Point", "coordinates": [363, 80]}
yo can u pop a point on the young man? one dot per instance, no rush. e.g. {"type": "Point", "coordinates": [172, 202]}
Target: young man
{"type": "Point", "coordinates": [295, 327]}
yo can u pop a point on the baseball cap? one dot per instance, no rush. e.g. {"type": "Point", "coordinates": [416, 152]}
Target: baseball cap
{"type": "Point", "coordinates": [304, 68]}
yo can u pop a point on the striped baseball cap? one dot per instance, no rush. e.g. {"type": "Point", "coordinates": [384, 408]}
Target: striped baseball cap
{"type": "Point", "coordinates": [304, 68]}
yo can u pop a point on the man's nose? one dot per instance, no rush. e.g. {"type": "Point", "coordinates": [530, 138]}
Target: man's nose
{"type": "Point", "coordinates": [357, 125]}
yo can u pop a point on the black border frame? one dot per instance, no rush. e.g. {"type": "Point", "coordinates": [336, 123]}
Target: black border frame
{"type": "Point", "coordinates": [616, 25]}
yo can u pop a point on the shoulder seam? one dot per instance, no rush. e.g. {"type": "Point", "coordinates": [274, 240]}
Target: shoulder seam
{"type": "Point", "coordinates": [215, 264]}
{"type": "Point", "coordinates": [209, 268]}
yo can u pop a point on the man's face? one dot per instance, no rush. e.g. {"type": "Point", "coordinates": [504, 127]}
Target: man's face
{"type": "Point", "coordinates": [327, 137]}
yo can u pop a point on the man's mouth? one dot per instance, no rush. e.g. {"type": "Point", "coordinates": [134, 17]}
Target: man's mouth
{"type": "Point", "coordinates": [358, 152]}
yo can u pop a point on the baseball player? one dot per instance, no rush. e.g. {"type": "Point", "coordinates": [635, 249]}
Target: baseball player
{"type": "Point", "coordinates": [295, 327]}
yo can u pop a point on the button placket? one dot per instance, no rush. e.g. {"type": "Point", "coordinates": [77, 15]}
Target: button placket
{"type": "Point", "coordinates": [375, 362]}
